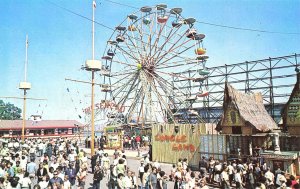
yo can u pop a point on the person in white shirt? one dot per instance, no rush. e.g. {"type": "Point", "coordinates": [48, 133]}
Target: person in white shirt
{"type": "Point", "coordinates": [25, 182]}
{"type": "Point", "coordinates": [72, 156]}
{"type": "Point", "coordinates": [105, 162]}
{"type": "Point", "coordinates": [269, 176]}
{"type": "Point", "coordinates": [67, 184]}
{"type": "Point", "coordinates": [224, 178]}
{"type": "Point", "coordinates": [127, 183]}
{"type": "Point", "coordinates": [141, 170]}
{"type": "Point", "coordinates": [54, 164]}
{"type": "Point", "coordinates": [238, 179]}
{"type": "Point", "coordinates": [43, 184]}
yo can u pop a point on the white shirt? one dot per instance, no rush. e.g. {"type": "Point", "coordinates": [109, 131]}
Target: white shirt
{"type": "Point", "coordinates": [25, 181]}
{"type": "Point", "coordinates": [141, 169]}
{"type": "Point", "coordinates": [54, 165]}
{"type": "Point", "coordinates": [67, 184]}
{"type": "Point", "coordinates": [71, 157]}
{"type": "Point", "coordinates": [230, 169]}
{"type": "Point", "coordinates": [238, 178]}
{"type": "Point", "coordinates": [127, 182]}
{"type": "Point", "coordinates": [224, 176]}
{"type": "Point", "coordinates": [43, 184]}
{"type": "Point", "coordinates": [269, 175]}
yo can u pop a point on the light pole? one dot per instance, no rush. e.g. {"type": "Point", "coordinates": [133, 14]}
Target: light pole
{"type": "Point", "coordinates": [93, 66]}
{"type": "Point", "coordinates": [24, 86]}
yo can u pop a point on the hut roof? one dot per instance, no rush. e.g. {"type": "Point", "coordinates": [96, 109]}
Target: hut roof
{"type": "Point", "coordinates": [250, 108]}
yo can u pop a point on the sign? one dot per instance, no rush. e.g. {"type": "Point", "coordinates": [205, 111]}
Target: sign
{"type": "Point", "coordinates": [178, 142]}
{"type": "Point", "coordinates": [278, 156]}
{"type": "Point", "coordinates": [105, 105]}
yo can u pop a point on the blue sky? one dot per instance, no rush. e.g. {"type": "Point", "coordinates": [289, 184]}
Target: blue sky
{"type": "Point", "coordinates": [60, 42]}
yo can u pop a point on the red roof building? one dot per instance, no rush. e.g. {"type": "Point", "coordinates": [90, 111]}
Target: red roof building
{"type": "Point", "coordinates": [13, 128]}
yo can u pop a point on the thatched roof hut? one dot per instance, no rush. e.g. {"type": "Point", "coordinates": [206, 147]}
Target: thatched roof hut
{"type": "Point", "coordinates": [291, 111]}
{"type": "Point", "coordinates": [244, 113]}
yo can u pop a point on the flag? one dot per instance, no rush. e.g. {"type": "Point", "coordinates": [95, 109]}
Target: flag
{"type": "Point", "coordinates": [27, 42]}
{"type": "Point", "coordinates": [94, 4]}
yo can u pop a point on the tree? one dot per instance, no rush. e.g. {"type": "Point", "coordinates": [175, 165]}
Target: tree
{"type": "Point", "coordinates": [9, 111]}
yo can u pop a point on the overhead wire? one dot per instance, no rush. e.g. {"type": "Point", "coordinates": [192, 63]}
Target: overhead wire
{"type": "Point", "coordinates": [220, 25]}
{"type": "Point", "coordinates": [77, 14]}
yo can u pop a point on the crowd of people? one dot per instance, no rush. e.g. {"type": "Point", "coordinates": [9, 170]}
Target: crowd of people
{"type": "Point", "coordinates": [250, 175]}
{"type": "Point", "coordinates": [42, 164]}
{"type": "Point", "coordinates": [62, 164]}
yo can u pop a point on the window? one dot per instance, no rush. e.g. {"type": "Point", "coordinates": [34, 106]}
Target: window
{"type": "Point", "coordinates": [236, 130]}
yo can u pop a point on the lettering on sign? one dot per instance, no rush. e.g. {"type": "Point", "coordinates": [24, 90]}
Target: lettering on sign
{"type": "Point", "coordinates": [272, 156]}
{"type": "Point", "coordinates": [176, 142]}
{"type": "Point", "coordinates": [105, 105]}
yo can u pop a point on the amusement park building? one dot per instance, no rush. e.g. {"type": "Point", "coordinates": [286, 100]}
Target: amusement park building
{"type": "Point", "coordinates": [244, 113]}
{"type": "Point", "coordinates": [43, 128]}
{"type": "Point", "coordinates": [291, 111]}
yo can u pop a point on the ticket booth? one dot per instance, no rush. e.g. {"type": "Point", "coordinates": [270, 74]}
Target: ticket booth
{"type": "Point", "coordinates": [288, 161]}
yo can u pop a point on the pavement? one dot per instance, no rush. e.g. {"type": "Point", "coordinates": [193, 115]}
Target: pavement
{"type": "Point", "coordinates": [133, 162]}
{"type": "Point", "coordinates": [133, 154]}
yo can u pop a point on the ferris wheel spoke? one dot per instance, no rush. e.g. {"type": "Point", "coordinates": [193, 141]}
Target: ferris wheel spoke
{"type": "Point", "coordinates": [126, 84]}
{"type": "Point", "coordinates": [125, 52]}
{"type": "Point", "coordinates": [167, 40]}
{"type": "Point", "coordinates": [135, 102]}
{"type": "Point", "coordinates": [171, 49]}
{"type": "Point", "coordinates": [161, 100]}
{"type": "Point", "coordinates": [134, 46]}
{"type": "Point", "coordinates": [132, 86]}
{"type": "Point", "coordinates": [174, 56]}
{"type": "Point", "coordinates": [158, 37]}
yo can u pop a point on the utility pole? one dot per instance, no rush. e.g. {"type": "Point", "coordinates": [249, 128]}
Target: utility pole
{"type": "Point", "coordinates": [25, 86]}
{"type": "Point", "coordinates": [92, 66]}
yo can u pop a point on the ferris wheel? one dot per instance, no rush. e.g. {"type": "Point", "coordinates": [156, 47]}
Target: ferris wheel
{"type": "Point", "coordinates": [140, 63]}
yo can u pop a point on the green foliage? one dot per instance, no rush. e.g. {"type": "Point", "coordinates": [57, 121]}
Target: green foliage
{"type": "Point", "coordinates": [9, 111]}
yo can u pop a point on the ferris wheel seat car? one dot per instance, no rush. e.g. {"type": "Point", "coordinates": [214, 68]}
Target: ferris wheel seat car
{"type": "Point", "coordinates": [106, 57]}
{"type": "Point", "coordinates": [110, 53]}
{"type": "Point", "coordinates": [176, 24]}
{"type": "Point", "coordinates": [202, 57]}
{"type": "Point", "coordinates": [162, 19]}
{"type": "Point", "coordinates": [200, 51]}
{"type": "Point", "coordinates": [189, 21]}
{"type": "Point", "coordinates": [121, 28]}
{"type": "Point", "coordinates": [161, 6]}
{"type": "Point", "coordinates": [204, 72]}
{"type": "Point", "coordinates": [199, 37]}
{"type": "Point", "coordinates": [120, 38]}
{"type": "Point", "coordinates": [146, 21]}
{"type": "Point", "coordinates": [132, 16]}
{"type": "Point", "coordinates": [176, 10]}
{"type": "Point", "coordinates": [105, 72]}
{"type": "Point", "coordinates": [201, 78]}
{"type": "Point", "coordinates": [146, 9]}
{"type": "Point", "coordinates": [203, 94]}
{"type": "Point", "coordinates": [131, 28]}
{"type": "Point", "coordinates": [190, 33]}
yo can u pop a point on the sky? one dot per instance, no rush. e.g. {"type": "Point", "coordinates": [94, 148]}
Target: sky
{"type": "Point", "coordinates": [60, 41]}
